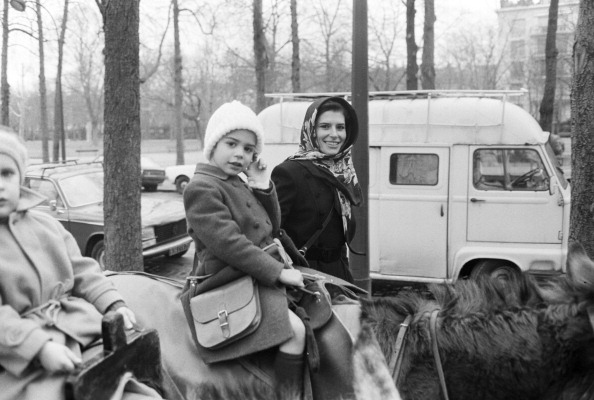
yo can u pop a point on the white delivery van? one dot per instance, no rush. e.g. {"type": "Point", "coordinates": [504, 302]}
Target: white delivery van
{"type": "Point", "coordinates": [461, 184]}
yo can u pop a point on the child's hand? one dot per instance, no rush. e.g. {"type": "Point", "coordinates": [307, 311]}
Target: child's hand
{"type": "Point", "coordinates": [55, 357]}
{"type": "Point", "coordinates": [291, 277]}
{"type": "Point", "coordinates": [129, 317]}
{"type": "Point", "coordinates": [258, 176]}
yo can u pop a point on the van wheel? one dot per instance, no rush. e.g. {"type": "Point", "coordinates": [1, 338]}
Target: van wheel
{"type": "Point", "coordinates": [98, 253]}
{"type": "Point", "coordinates": [181, 183]}
{"type": "Point", "coordinates": [500, 270]}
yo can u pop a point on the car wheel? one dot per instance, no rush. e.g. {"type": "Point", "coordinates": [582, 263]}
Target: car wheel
{"type": "Point", "coordinates": [98, 253]}
{"type": "Point", "coordinates": [181, 183]}
{"type": "Point", "coordinates": [150, 188]}
{"type": "Point", "coordinates": [178, 255]}
{"type": "Point", "coordinates": [500, 270]}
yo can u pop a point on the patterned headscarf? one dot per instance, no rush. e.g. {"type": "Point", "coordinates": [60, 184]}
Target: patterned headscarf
{"type": "Point", "coordinates": [338, 170]}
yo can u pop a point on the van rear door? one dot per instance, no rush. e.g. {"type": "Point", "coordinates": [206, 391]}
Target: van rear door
{"type": "Point", "coordinates": [509, 197]}
{"type": "Point", "coordinates": [413, 211]}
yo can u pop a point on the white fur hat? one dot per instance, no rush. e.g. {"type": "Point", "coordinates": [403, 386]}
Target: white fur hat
{"type": "Point", "coordinates": [230, 117]}
{"type": "Point", "coordinates": [12, 146]}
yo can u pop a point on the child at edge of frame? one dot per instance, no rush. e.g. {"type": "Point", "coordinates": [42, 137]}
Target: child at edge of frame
{"type": "Point", "coordinates": [51, 297]}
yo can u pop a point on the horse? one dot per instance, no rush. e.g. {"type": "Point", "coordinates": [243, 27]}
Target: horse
{"type": "Point", "coordinates": [156, 303]}
{"type": "Point", "coordinates": [496, 340]}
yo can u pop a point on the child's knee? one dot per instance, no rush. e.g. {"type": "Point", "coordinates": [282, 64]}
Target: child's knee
{"type": "Point", "coordinates": [297, 325]}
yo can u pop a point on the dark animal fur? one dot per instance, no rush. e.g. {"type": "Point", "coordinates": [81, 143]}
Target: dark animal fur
{"type": "Point", "coordinates": [497, 341]}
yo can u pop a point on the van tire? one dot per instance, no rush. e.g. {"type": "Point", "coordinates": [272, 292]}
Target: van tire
{"type": "Point", "coordinates": [495, 269]}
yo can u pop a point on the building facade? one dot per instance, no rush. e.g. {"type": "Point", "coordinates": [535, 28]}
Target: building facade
{"type": "Point", "coordinates": [522, 35]}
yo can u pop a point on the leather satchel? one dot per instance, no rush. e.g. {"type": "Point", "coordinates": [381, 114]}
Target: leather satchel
{"type": "Point", "coordinates": [227, 313]}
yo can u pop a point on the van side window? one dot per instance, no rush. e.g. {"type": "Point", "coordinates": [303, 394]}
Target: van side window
{"type": "Point", "coordinates": [509, 169]}
{"type": "Point", "coordinates": [414, 169]}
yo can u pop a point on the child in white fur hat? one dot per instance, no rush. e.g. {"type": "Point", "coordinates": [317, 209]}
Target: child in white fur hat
{"type": "Point", "coordinates": [51, 297]}
{"type": "Point", "coordinates": [231, 222]}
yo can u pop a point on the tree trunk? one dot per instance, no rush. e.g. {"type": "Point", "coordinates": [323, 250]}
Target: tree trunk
{"type": "Point", "coordinates": [582, 147]}
{"type": "Point", "coordinates": [59, 135]}
{"type": "Point", "coordinates": [122, 136]}
{"type": "Point", "coordinates": [42, 89]}
{"type": "Point", "coordinates": [259, 56]}
{"type": "Point", "coordinates": [4, 88]}
{"type": "Point", "coordinates": [178, 100]}
{"type": "Point", "coordinates": [428, 63]}
{"type": "Point", "coordinates": [411, 47]}
{"type": "Point", "coordinates": [548, 98]}
{"type": "Point", "coordinates": [295, 62]}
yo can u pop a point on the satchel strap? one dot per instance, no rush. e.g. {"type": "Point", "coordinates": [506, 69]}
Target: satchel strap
{"type": "Point", "coordinates": [316, 235]}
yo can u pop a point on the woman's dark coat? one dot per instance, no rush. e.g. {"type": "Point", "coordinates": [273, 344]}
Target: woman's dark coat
{"type": "Point", "coordinates": [305, 201]}
{"type": "Point", "coordinates": [230, 224]}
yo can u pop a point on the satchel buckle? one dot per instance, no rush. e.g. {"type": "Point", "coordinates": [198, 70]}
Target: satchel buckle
{"type": "Point", "coordinates": [224, 323]}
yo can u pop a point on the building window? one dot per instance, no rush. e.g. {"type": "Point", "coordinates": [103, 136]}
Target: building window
{"type": "Point", "coordinates": [518, 49]}
{"type": "Point", "coordinates": [414, 169]}
{"type": "Point", "coordinates": [518, 28]}
{"type": "Point", "coordinates": [517, 70]}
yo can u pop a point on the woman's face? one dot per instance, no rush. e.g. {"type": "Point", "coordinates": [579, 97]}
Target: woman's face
{"type": "Point", "coordinates": [331, 132]}
{"type": "Point", "coordinates": [235, 151]}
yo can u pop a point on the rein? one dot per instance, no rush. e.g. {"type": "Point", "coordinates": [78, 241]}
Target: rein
{"type": "Point", "coordinates": [398, 352]}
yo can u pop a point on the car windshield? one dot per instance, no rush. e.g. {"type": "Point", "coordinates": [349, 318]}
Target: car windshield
{"type": "Point", "coordinates": [84, 189]}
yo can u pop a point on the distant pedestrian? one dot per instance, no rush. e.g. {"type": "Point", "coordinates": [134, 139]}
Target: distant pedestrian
{"type": "Point", "coordinates": [317, 187]}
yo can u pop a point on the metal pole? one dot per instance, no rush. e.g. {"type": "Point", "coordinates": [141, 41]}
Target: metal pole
{"type": "Point", "coordinates": [360, 263]}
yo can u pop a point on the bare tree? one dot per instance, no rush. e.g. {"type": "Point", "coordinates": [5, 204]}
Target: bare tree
{"type": "Point", "coordinates": [428, 63]}
{"type": "Point", "coordinates": [123, 229]}
{"type": "Point", "coordinates": [385, 30]}
{"type": "Point", "coordinates": [295, 62]}
{"type": "Point", "coordinates": [411, 47]}
{"type": "Point", "coordinates": [4, 87]}
{"type": "Point", "coordinates": [59, 134]}
{"type": "Point", "coordinates": [330, 25]}
{"type": "Point", "coordinates": [177, 84]}
{"type": "Point", "coordinates": [261, 61]}
{"type": "Point", "coordinates": [86, 78]}
{"type": "Point", "coordinates": [582, 147]}
{"type": "Point", "coordinates": [548, 99]}
{"type": "Point", "coordinates": [42, 88]}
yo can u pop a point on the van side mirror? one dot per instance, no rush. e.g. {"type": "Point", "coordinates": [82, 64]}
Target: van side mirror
{"type": "Point", "coordinates": [553, 187]}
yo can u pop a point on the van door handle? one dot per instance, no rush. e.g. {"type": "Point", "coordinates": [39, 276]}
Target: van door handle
{"type": "Point", "coordinates": [475, 200]}
{"type": "Point", "coordinates": [442, 210]}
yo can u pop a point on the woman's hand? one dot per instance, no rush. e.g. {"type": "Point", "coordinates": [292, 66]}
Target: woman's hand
{"type": "Point", "coordinates": [129, 317]}
{"type": "Point", "coordinates": [55, 357]}
{"type": "Point", "coordinates": [291, 277]}
{"type": "Point", "coordinates": [258, 175]}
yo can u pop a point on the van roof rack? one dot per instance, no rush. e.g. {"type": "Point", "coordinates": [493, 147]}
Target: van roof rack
{"type": "Point", "coordinates": [406, 94]}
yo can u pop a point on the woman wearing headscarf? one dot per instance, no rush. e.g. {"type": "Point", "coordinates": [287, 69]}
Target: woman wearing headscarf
{"type": "Point", "coordinates": [317, 187]}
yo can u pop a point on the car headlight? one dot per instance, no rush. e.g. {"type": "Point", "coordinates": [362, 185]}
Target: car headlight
{"type": "Point", "coordinates": [148, 237]}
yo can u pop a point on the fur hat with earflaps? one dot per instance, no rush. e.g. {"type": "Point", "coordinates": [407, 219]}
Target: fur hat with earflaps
{"type": "Point", "coordinates": [12, 146]}
{"type": "Point", "coordinates": [230, 117]}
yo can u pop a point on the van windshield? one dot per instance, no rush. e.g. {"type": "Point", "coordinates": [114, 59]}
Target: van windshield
{"type": "Point", "coordinates": [558, 170]}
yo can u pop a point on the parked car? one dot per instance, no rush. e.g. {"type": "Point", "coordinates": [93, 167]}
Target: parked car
{"type": "Point", "coordinates": [75, 197]}
{"type": "Point", "coordinates": [152, 173]}
{"type": "Point", "coordinates": [180, 175]}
